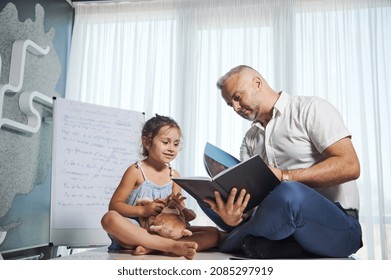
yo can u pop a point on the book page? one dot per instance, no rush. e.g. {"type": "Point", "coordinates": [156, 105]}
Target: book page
{"type": "Point", "coordinates": [212, 166]}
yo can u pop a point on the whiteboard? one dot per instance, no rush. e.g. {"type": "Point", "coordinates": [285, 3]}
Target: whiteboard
{"type": "Point", "coordinates": [92, 147]}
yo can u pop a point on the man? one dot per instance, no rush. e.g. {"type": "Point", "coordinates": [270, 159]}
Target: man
{"type": "Point", "coordinates": [307, 145]}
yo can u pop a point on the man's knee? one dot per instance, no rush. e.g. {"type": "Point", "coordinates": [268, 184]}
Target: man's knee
{"type": "Point", "coordinates": [289, 192]}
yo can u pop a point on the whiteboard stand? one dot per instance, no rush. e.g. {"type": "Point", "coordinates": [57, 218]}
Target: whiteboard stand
{"type": "Point", "coordinates": [80, 249]}
{"type": "Point", "coordinates": [93, 145]}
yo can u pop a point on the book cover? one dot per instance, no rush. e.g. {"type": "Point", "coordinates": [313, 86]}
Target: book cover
{"type": "Point", "coordinates": [217, 160]}
{"type": "Point", "coordinates": [253, 175]}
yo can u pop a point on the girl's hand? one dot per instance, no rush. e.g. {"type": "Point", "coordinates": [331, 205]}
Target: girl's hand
{"type": "Point", "coordinates": [153, 208]}
{"type": "Point", "coordinates": [178, 199]}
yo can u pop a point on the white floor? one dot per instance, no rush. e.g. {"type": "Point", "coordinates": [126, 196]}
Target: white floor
{"type": "Point", "coordinates": [101, 253]}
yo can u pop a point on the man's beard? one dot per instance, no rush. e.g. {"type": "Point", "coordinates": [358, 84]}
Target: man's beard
{"type": "Point", "coordinates": [250, 117]}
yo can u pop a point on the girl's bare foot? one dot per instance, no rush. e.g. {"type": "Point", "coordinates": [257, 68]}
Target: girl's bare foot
{"type": "Point", "coordinates": [140, 250]}
{"type": "Point", "coordinates": [186, 249]}
{"type": "Point", "coordinates": [178, 248]}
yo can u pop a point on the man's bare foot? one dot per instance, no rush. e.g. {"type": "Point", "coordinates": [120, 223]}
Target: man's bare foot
{"type": "Point", "coordinates": [140, 250]}
{"type": "Point", "coordinates": [186, 249]}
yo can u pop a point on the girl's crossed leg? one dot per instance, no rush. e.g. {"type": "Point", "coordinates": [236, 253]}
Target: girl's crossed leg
{"type": "Point", "coordinates": [129, 235]}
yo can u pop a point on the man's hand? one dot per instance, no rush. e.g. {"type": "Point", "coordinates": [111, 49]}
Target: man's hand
{"type": "Point", "coordinates": [232, 211]}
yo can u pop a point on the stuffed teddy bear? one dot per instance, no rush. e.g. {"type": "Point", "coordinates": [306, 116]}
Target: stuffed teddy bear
{"type": "Point", "coordinates": [172, 221]}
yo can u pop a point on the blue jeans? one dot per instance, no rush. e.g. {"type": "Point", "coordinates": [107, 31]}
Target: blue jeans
{"type": "Point", "coordinates": [292, 209]}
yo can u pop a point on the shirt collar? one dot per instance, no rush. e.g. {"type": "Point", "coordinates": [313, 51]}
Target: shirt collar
{"type": "Point", "coordinates": [279, 107]}
{"type": "Point", "coordinates": [281, 103]}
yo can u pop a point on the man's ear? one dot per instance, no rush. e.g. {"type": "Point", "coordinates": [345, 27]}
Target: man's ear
{"type": "Point", "coordinates": [258, 83]}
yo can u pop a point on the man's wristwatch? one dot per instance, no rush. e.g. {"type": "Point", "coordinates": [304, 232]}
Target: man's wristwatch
{"type": "Point", "coordinates": [284, 175]}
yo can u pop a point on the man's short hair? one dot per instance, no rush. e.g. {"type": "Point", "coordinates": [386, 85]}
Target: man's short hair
{"type": "Point", "coordinates": [221, 82]}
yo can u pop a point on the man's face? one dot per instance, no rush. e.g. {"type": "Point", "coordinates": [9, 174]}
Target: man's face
{"type": "Point", "coordinates": [241, 92]}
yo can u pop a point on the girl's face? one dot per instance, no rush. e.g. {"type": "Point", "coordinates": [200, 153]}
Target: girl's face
{"type": "Point", "coordinates": [165, 145]}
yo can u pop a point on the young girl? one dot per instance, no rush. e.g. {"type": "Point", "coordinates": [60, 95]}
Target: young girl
{"type": "Point", "coordinates": [151, 178]}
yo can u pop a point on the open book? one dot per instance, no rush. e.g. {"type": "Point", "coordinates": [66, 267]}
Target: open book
{"type": "Point", "coordinates": [227, 172]}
